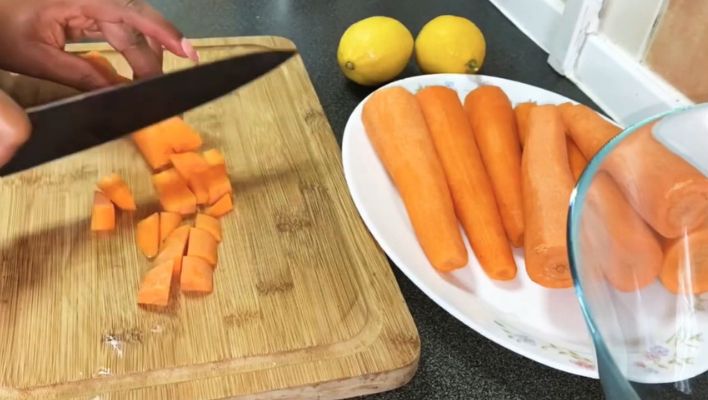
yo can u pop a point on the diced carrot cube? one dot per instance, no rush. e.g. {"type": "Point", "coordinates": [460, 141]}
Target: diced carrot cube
{"type": "Point", "coordinates": [103, 215]}
{"type": "Point", "coordinates": [174, 193]}
{"type": "Point", "coordinates": [202, 244]}
{"type": "Point", "coordinates": [209, 224]}
{"type": "Point", "coordinates": [155, 287]}
{"type": "Point", "coordinates": [222, 207]}
{"type": "Point", "coordinates": [115, 188]}
{"type": "Point", "coordinates": [196, 276]}
{"type": "Point", "coordinates": [148, 235]}
{"type": "Point", "coordinates": [168, 222]}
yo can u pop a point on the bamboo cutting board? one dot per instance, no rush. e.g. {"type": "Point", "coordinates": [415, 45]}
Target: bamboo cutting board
{"type": "Point", "coordinates": [304, 304]}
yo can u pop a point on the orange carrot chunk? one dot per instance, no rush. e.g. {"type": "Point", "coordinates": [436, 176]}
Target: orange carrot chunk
{"type": "Point", "coordinates": [685, 265]}
{"type": "Point", "coordinates": [104, 67]}
{"type": "Point", "coordinates": [494, 126]}
{"type": "Point", "coordinates": [155, 287]}
{"type": "Point", "coordinates": [103, 214]}
{"type": "Point", "coordinates": [169, 221]}
{"type": "Point", "coordinates": [188, 163]}
{"type": "Point", "coordinates": [148, 235]}
{"type": "Point", "coordinates": [174, 245]}
{"type": "Point", "coordinates": [547, 184]}
{"type": "Point", "coordinates": [668, 192]}
{"type": "Point", "coordinates": [209, 224]}
{"type": "Point", "coordinates": [191, 167]}
{"type": "Point", "coordinates": [521, 111]}
{"type": "Point", "coordinates": [471, 189]}
{"type": "Point", "coordinates": [115, 188]}
{"type": "Point", "coordinates": [630, 253]}
{"type": "Point", "coordinates": [214, 157]}
{"type": "Point", "coordinates": [399, 134]}
{"type": "Point", "coordinates": [158, 141]}
{"type": "Point", "coordinates": [174, 193]}
{"type": "Point", "coordinates": [153, 145]}
{"type": "Point", "coordinates": [202, 244]}
{"type": "Point", "coordinates": [222, 207]}
{"type": "Point", "coordinates": [196, 276]}
{"type": "Point", "coordinates": [181, 136]}
{"type": "Point", "coordinates": [217, 182]}
{"type": "Point", "coordinates": [177, 271]}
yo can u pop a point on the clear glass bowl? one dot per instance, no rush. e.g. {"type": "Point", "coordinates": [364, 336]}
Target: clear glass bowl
{"type": "Point", "coordinates": [638, 247]}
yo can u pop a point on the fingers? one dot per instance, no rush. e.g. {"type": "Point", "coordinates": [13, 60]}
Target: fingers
{"type": "Point", "coordinates": [15, 128]}
{"type": "Point", "coordinates": [134, 47]}
{"type": "Point", "coordinates": [67, 69]}
{"type": "Point", "coordinates": [143, 18]}
{"type": "Point", "coordinates": [156, 48]}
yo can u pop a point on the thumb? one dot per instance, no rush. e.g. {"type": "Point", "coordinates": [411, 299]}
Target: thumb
{"type": "Point", "coordinates": [14, 127]}
{"type": "Point", "coordinates": [69, 69]}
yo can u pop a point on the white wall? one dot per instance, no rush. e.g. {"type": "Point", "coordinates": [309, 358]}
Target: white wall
{"type": "Point", "coordinates": [628, 23]}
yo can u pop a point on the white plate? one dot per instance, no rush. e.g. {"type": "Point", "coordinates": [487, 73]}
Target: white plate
{"type": "Point", "coordinates": [542, 324]}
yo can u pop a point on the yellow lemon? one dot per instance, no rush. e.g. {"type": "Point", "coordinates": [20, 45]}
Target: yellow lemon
{"type": "Point", "coordinates": [374, 50]}
{"type": "Point", "coordinates": [450, 44]}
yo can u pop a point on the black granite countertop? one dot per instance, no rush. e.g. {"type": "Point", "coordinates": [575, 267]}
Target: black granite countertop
{"type": "Point", "coordinates": [456, 362]}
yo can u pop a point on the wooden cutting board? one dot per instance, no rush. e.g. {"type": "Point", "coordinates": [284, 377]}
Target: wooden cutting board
{"type": "Point", "coordinates": [304, 304]}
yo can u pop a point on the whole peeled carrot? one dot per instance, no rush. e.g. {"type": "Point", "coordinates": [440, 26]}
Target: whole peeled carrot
{"type": "Point", "coordinates": [494, 125]}
{"type": "Point", "coordinates": [521, 111]}
{"type": "Point", "coordinates": [587, 128]}
{"type": "Point", "coordinates": [668, 192]}
{"type": "Point", "coordinates": [471, 189]}
{"type": "Point", "coordinates": [685, 266]}
{"type": "Point", "coordinates": [626, 248]}
{"type": "Point", "coordinates": [576, 159]}
{"type": "Point", "coordinates": [547, 184]}
{"type": "Point", "coordinates": [398, 132]}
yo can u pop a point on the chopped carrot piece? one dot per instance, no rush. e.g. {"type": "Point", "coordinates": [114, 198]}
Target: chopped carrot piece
{"type": "Point", "coordinates": [209, 224]}
{"type": "Point", "coordinates": [174, 245]}
{"type": "Point", "coordinates": [196, 276]}
{"type": "Point", "coordinates": [189, 163]}
{"type": "Point", "coordinates": [177, 271]}
{"type": "Point", "coordinates": [103, 215]}
{"type": "Point", "coordinates": [214, 157]}
{"type": "Point", "coordinates": [191, 166]}
{"type": "Point", "coordinates": [156, 142]}
{"type": "Point", "coordinates": [148, 235]}
{"type": "Point", "coordinates": [104, 67]}
{"type": "Point", "coordinates": [202, 244]}
{"type": "Point", "coordinates": [153, 145]}
{"type": "Point", "coordinates": [182, 137]}
{"type": "Point", "coordinates": [115, 188]}
{"type": "Point", "coordinates": [155, 287]}
{"type": "Point", "coordinates": [168, 222]}
{"type": "Point", "coordinates": [222, 207]}
{"type": "Point", "coordinates": [217, 182]}
{"type": "Point", "coordinates": [173, 192]}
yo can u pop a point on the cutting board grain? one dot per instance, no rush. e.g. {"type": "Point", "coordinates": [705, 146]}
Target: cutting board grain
{"type": "Point", "coordinates": [304, 305]}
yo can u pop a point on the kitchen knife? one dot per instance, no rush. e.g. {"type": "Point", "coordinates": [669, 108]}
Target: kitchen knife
{"type": "Point", "coordinates": [66, 126]}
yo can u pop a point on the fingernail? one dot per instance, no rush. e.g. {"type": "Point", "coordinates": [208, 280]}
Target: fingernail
{"type": "Point", "coordinates": [189, 50]}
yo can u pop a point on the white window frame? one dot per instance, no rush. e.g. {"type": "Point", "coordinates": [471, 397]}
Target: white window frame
{"type": "Point", "coordinates": [623, 87]}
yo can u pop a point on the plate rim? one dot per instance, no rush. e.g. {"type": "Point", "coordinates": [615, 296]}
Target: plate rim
{"type": "Point", "coordinates": [430, 293]}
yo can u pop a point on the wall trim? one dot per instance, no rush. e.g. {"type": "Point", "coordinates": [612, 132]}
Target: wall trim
{"type": "Point", "coordinates": [624, 88]}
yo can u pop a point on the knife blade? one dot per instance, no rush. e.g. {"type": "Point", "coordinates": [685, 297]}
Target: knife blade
{"type": "Point", "coordinates": [66, 126]}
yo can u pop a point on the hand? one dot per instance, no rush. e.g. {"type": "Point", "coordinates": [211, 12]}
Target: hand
{"type": "Point", "coordinates": [33, 34]}
{"type": "Point", "coordinates": [14, 127]}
